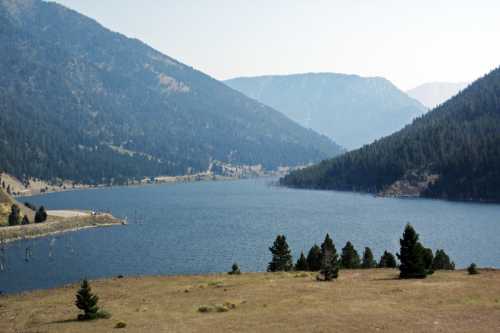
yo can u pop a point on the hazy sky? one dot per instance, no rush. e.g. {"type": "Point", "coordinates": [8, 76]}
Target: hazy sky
{"type": "Point", "coordinates": [408, 42]}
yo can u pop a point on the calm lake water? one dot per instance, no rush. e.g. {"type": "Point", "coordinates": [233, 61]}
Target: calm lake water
{"type": "Point", "coordinates": [204, 227]}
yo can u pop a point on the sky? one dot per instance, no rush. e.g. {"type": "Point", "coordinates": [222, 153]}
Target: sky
{"type": "Point", "coordinates": [406, 41]}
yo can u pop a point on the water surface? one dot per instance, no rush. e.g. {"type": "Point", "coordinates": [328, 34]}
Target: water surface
{"type": "Point", "coordinates": [192, 228]}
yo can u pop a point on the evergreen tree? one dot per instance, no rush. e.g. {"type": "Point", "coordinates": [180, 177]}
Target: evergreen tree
{"type": "Point", "coordinates": [25, 220]}
{"type": "Point", "coordinates": [442, 261]}
{"type": "Point", "coordinates": [87, 302]}
{"type": "Point", "coordinates": [15, 215]}
{"type": "Point", "coordinates": [428, 257]}
{"type": "Point", "coordinates": [329, 260]}
{"type": "Point", "coordinates": [472, 269]}
{"type": "Point", "coordinates": [235, 270]}
{"type": "Point", "coordinates": [314, 258]}
{"type": "Point", "coordinates": [301, 264]}
{"type": "Point", "coordinates": [282, 258]}
{"type": "Point", "coordinates": [387, 260]}
{"type": "Point", "coordinates": [368, 261]}
{"type": "Point", "coordinates": [41, 215]}
{"type": "Point", "coordinates": [350, 257]}
{"type": "Point", "coordinates": [411, 255]}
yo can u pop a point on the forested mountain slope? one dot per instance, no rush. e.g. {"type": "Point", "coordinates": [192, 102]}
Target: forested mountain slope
{"type": "Point", "coordinates": [451, 152]}
{"type": "Point", "coordinates": [80, 102]}
{"type": "Point", "coordinates": [351, 109]}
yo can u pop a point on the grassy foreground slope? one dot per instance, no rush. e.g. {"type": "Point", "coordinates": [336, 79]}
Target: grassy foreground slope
{"type": "Point", "coordinates": [360, 301]}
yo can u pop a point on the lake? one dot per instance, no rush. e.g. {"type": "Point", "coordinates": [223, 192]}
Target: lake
{"type": "Point", "coordinates": [203, 227]}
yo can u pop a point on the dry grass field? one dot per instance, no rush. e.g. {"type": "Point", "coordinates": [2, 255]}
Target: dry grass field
{"type": "Point", "coordinates": [360, 301]}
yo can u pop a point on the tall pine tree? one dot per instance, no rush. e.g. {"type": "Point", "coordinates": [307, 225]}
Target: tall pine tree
{"type": "Point", "coordinates": [301, 264]}
{"type": "Point", "coordinates": [282, 257]}
{"type": "Point", "coordinates": [329, 261]}
{"type": "Point", "coordinates": [411, 256]}
{"type": "Point", "coordinates": [387, 260]}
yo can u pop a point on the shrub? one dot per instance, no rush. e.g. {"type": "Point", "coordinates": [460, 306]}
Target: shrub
{"type": "Point", "coordinates": [282, 258]}
{"type": "Point", "coordinates": [235, 270]}
{"type": "Point", "coordinates": [472, 269]}
{"type": "Point", "coordinates": [121, 324]}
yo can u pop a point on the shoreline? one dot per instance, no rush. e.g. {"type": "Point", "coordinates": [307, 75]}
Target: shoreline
{"type": "Point", "coordinates": [9, 234]}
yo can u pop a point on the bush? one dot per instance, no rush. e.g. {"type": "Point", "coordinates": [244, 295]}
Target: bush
{"type": "Point", "coordinates": [472, 269]}
{"type": "Point", "coordinates": [121, 324]}
{"type": "Point", "coordinates": [235, 270]}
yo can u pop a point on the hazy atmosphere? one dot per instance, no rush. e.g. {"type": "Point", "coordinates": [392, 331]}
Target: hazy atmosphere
{"type": "Point", "coordinates": [408, 42]}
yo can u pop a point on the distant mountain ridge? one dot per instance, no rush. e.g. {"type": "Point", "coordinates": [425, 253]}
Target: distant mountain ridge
{"type": "Point", "coordinates": [451, 152]}
{"type": "Point", "coordinates": [80, 102]}
{"type": "Point", "coordinates": [352, 110]}
{"type": "Point", "coordinates": [432, 94]}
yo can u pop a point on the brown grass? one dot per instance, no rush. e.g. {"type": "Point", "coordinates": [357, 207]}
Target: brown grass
{"type": "Point", "coordinates": [360, 301]}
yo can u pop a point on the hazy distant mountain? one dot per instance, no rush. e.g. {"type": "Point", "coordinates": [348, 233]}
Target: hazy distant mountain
{"type": "Point", "coordinates": [352, 110]}
{"type": "Point", "coordinates": [434, 93]}
{"type": "Point", "coordinates": [80, 102]}
{"type": "Point", "coordinates": [452, 152]}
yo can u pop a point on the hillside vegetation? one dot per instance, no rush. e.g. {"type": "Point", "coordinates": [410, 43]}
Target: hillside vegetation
{"type": "Point", "coordinates": [80, 102]}
{"type": "Point", "coordinates": [359, 301]}
{"type": "Point", "coordinates": [451, 152]}
{"type": "Point", "coordinates": [351, 109]}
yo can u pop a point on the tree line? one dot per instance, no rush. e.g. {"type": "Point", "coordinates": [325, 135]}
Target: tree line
{"type": "Point", "coordinates": [416, 261]}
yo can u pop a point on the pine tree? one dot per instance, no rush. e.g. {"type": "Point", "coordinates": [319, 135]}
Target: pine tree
{"type": "Point", "coordinates": [368, 261]}
{"type": "Point", "coordinates": [472, 269]}
{"type": "Point", "coordinates": [25, 220]}
{"type": "Point", "coordinates": [329, 261]}
{"type": "Point", "coordinates": [41, 215]}
{"type": "Point", "coordinates": [87, 302]}
{"type": "Point", "coordinates": [301, 264]}
{"type": "Point", "coordinates": [411, 255]}
{"type": "Point", "coordinates": [15, 215]}
{"type": "Point", "coordinates": [314, 258]}
{"type": "Point", "coordinates": [428, 257]}
{"type": "Point", "coordinates": [350, 258]}
{"type": "Point", "coordinates": [387, 260]}
{"type": "Point", "coordinates": [442, 261]}
{"type": "Point", "coordinates": [282, 258]}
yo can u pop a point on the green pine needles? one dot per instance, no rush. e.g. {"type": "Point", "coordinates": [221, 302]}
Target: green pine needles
{"type": "Point", "coordinates": [86, 301]}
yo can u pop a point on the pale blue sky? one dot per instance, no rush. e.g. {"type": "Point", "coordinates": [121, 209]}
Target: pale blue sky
{"type": "Point", "coordinates": [408, 42]}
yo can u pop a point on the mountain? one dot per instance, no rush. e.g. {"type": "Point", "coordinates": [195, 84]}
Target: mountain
{"type": "Point", "coordinates": [80, 102]}
{"type": "Point", "coordinates": [434, 93]}
{"type": "Point", "coordinates": [352, 110]}
{"type": "Point", "coordinates": [451, 152]}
